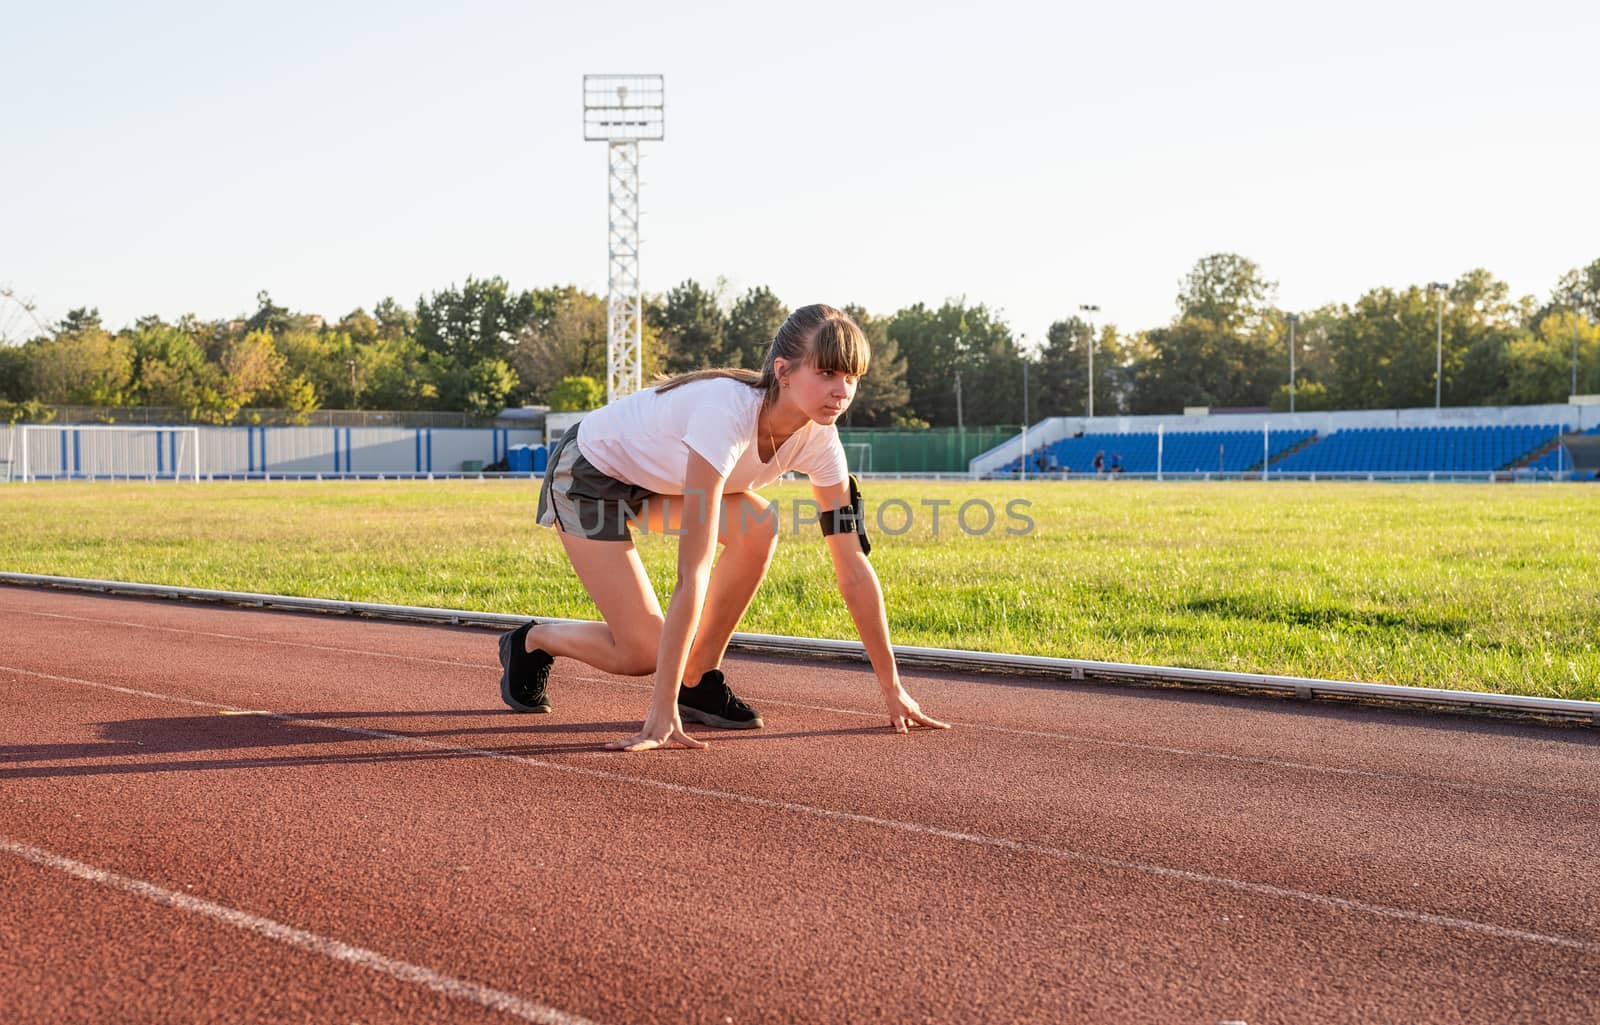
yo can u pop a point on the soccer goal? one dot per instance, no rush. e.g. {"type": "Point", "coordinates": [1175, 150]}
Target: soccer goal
{"type": "Point", "coordinates": [105, 452]}
{"type": "Point", "coordinates": [858, 456]}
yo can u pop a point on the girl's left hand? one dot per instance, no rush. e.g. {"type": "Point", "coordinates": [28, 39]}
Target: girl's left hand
{"type": "Point", "coordinates": [904, 712]}
{"type": "Point", "coordinates": [653, 736]}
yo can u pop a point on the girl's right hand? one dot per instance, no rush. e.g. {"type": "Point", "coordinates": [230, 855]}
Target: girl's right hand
{"type": "Point", "coordinates": [655, 735]}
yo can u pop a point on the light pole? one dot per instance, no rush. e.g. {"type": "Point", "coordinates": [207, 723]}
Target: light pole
{"type": "Point", "coordinates": [1293, 319]}
{"type": "Point", "coordinates": [1091, 310]}
{"type": "Point", "coordinates": [1572, 301]}
{"type": "Point", "coordinates": [352, 383]}
{"type": "Point", "coordinates": [623, 111]}
{"type": "Point", "coordinates": [1026, 419]}
{"type": "Point", "coordinates": [1438, 346]}
{"type": "Point", "coordinates": [1024, 413]}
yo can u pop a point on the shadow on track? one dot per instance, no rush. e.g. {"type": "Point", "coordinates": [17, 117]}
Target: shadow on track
{"type": "Point", "coordinates": [130, 744]}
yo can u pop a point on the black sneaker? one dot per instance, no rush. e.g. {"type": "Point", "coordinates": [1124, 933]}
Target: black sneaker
{"type": "Point", "coordinates": [526, 672]}
{"type": "Point", "coordinates": [712, 703]}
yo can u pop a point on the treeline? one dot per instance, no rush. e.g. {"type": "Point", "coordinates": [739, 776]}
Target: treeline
{"type": "Point", "coordinates": [482, 346]}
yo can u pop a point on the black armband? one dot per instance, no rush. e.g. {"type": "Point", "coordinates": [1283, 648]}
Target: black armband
{"type": "Point", "coordinates": [849, 519]}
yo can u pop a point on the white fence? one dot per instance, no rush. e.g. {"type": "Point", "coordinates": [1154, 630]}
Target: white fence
{"type": "Point", "coordinates": [253, 452]}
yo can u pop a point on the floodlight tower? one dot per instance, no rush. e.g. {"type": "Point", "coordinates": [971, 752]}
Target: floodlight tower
{"type": "Point", "coordinates": [622, 111]}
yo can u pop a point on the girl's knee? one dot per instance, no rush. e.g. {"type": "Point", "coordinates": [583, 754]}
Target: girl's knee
{"type": "Point", "coordinates": [641, 648]}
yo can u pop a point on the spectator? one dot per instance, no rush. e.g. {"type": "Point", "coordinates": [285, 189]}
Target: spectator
{"type": "Point", "coordinates": [1100, 461]}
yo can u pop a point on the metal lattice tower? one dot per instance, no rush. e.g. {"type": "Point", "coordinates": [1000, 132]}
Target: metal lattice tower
{"type": "Point", "coordinates": [622, 111]}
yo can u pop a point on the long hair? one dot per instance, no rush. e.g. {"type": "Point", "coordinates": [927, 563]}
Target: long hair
{"type": "Point", "coordinates": [820, 335]}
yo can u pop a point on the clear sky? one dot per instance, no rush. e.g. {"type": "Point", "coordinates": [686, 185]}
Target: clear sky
{"type": "Point", "coordinates": [174, 157]}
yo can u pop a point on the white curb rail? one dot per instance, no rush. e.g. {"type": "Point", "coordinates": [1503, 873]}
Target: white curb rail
{"type": "Point", "coordinates": [930, 658]}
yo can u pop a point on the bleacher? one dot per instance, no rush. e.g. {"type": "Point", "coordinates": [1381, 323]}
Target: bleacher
{"type": "Point", "coordinates": [1477, 449]}
{"type": "Point", "coordinates": [1180, 452]}
{"type": "Point", "coordinates": [1559, 460]}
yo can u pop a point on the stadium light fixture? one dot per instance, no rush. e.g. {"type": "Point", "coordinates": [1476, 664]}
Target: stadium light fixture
{"type": "Point", "coordinates": [1438, 346]}
{"type": "Point", "coordinates": [1091, 310]}
{"type": "Point", "coordinates": [1293, 319]}
{"type": "Point", "coordinates": [622, 111]}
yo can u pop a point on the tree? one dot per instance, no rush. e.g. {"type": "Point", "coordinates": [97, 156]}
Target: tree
{"type": "Point", "coordinates": [575, 394]}
{"type": "Point", "coordinates": [80, 320]}
{"type": "Point", "coordinates": [360, 325]}
{"type": "Point", "coordinates": [394, 321]}
{"type": "Point", "coordinates": [882, 395]}
{"type": "Point", "coordinates": [250, 367]}
{"type": "Point", "coordinates": [395, 373]}
{"type": "Point", "coordinates": [1539, 364]}
{"type": "Point", "coordinates": [269, 317]}
{"type": "Point", "coordinates": [13, 374]}
{"type": "Point", "coordinates": [1309, 397]}
{"type": "Point", "coordinates": [478, 322]}
{"type": "Point", "coordinates": [1224, 347]}
{"type": "Point", "coordinates": [693, 329]}
{"type": "Point", "coordinates": [169, 367]}
{"type": "Point", "coordinates": [567, 339]}
{"type": "Point", "coordinates": [1582, 282]}
{"type": "Point", "coordinates": [327, 361]}
{"type": "Point", "coordinates": [1063, 371]}
{"type": "Point", "coordinates": [971, 340]}
{"type": "Point", "coordinates": [86, 367]}
{"type": "Point", "coordinates": [1385, 350]}
{"type": "Point", "coordinates": [481, 388]}
{"type": "Point", "coordinates": [1226, 289]}
{"type": "Point", "coordinates": [752, 324]}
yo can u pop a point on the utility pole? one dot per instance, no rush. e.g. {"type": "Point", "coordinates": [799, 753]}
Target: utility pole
{"type": "Point", "coordinates": [1091, 310]}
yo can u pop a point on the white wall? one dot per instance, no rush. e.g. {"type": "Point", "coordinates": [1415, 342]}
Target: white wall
{"type": "Point", "coordinates": [242, 451]}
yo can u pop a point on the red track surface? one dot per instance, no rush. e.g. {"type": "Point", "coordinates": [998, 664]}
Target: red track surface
{"type": "Point", "coordinates": [1065, 854]}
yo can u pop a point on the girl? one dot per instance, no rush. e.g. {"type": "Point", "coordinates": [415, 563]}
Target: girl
{"type": "Point", "coordinates": [687, 457]}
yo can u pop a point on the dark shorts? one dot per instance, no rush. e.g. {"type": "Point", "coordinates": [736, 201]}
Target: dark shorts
{"type": "Point", "coordinates": [584, 501]}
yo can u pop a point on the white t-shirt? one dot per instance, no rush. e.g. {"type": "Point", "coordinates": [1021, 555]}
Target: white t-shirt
{"type": "Point", "coordinates": [645, 439]}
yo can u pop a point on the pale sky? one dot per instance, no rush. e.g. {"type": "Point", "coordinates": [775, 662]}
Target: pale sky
{"type": "Point", "coordinates": [175, 157]}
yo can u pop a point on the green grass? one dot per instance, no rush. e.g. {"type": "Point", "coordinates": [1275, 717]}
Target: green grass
{"type": "Point", "coordinates": [1482, 587]}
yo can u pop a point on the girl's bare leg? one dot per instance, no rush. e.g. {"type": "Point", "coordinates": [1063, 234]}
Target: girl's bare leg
{"type": "Point", "coordinates": [749, 537]}
{"type": "Point", "coordinates": [629, 640]}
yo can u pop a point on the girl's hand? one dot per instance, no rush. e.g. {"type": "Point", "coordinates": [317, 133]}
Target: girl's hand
{"type": "Point", "coordinates": [904, 712]}
{"type": "Point", "coordinates": [655, 735]}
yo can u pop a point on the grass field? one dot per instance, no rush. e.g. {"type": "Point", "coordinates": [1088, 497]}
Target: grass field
{"type": "Point", "coordinates": [1482, 587]}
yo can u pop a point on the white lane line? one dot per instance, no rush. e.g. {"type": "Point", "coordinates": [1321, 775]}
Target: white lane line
{"type": "Point", "coordinates": [1133, 745]}
{"type": "Point", "coordinates": [915, 828]}
{"type": "Point", "coordinates": [258, 640]}
{"type": "Point", "coordinates": [323, 946]}
{"type": "Point", "coordinates": [1463, 787]}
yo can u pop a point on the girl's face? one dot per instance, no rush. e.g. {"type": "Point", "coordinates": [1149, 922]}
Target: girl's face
{"type": "Point", "coordinates": [822, 395]}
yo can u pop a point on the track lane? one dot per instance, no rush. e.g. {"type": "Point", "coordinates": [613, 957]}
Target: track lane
{"type": "Point", "coordinates": [828, 876]}
{"type": "Point", "coordinates": [1226, 819]}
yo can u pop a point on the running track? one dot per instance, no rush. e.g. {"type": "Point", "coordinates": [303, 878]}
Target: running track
{"type": "Point", "coordinates": [380, 842]}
